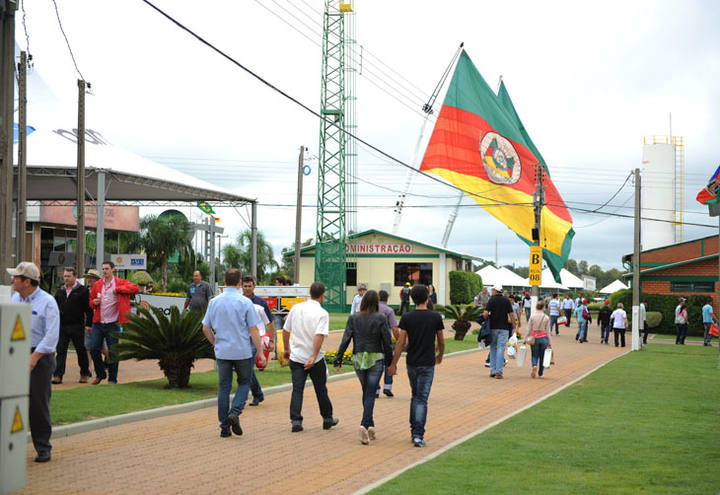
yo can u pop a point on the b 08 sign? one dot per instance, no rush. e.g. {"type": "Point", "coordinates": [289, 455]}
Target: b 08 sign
{"type": "Point", "coordinates": [535, 272]}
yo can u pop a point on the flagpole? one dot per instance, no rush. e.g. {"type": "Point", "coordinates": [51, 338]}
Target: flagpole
{"type": "Point", "coordinates": [538, 201]}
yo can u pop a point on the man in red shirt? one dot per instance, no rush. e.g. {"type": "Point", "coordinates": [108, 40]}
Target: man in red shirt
{"type": "Point", "coordinates": [110, 300]}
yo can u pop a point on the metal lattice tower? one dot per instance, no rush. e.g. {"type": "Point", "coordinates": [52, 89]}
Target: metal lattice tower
{"type": "Point", "coordinates": [331, 229]}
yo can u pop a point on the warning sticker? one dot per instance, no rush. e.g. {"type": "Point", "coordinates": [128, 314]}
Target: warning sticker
{"type": "Point", "coordinates": [17, 424]}
{"type": "Point", "coordinates": [18, 332]}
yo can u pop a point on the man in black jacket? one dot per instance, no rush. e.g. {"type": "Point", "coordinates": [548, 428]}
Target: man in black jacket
{"type": "Point", "coordinates": [73, 300]}
{"type": "Point", "coordinates": [604, 322]}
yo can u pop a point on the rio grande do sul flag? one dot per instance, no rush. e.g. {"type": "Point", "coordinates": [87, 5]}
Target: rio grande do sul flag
{"type": "Point", "coordinates": [708, 195]}
{"type": "Point", "coordinates": [480, 146]}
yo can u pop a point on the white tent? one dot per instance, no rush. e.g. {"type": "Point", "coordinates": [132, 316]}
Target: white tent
{"type": "Point", "coordinates": [569, 280]}
{"type": "Point", "coordinates": [613, 287]}
{"type": "Point", "coordinates": [547, 281]}
{"type": "Point", "coordinates": [500, 276]}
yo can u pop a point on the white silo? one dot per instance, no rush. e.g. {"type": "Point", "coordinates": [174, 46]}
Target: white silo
{"type": "Point", "coordinates": [661, 196]}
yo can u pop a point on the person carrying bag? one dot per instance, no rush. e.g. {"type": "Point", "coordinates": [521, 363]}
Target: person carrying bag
{"type": "Point", "coordinates": [538, 338]}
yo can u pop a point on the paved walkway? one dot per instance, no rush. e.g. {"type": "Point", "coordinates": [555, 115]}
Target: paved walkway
{"type": "Point", "coordinates": [184, 453]}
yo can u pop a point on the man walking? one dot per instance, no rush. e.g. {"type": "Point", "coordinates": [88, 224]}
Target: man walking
{"type": "Point", "coordinates": [91, 277]}
{"type": "Point", "coordinates": [708, 319]}
{"type": "Point", "coordinates": [554, 310]}
{"type": "Point", "coordinates": [309, 324]}
{"type": "Point", "coordinates": [395, 331]}
{"type": "Point", "coordinates": [110, 300]}
{"type": "Point", "coordinates": [199, 293]}
{"type": "Point", "coordinates": [405, 298]}
{"type": "Point", "coordinates": [583, 318]}
{"type": "Point", "coordinates": [419, 329]}
{"type": "Point", "coordinates": [620, 324]}
{"type": "Point", "coordinates": [43, 341]}
{"type": "Point", "coordinates": [604, 322]}
{"type": "Point", "coordinates": [355, 307]}
{"type": "Point", "coordinates": [681, 322]}
{"type": "Point", "coordinates": [502, 321]}
{"type": "Point", "coordinates": [568, 306]}
{"type": "Point", "coordinates": [527, 305]}
{"type": "Point", "coordinates": [230, 325]}
{"type": "Point", "coordinates": [248, 288]}
{"type": "Point", "coordinates": [73, 300]}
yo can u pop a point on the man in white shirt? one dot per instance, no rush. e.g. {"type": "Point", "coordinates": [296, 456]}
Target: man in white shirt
{"type": "Point", "coordinates": [309, 324]}
{"type": "Point", "coordinates": [554, 310]}
{"type": "Point", "coordinates": [568, 306]}
{"type": "Point", "coordinates": [619, 324]}
{"type": "Point", "coordinates": [355, 307]}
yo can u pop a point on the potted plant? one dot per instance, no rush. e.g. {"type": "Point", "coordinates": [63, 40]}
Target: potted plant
{"type": "Point", "coordinates": [463, 314]}
{"type": "Point", "coordinates": [176, 342]}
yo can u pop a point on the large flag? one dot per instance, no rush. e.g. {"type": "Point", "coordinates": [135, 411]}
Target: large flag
{"type": "Point", "coordinates": [709, 194]}
{"type": "Point", "coordinates": [480, 145]}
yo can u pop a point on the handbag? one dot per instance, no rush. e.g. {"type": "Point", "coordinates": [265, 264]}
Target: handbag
{"type": "Point", "coordinates": [530, 339]}
{"type": "Point", "coordinates": [714, 330]}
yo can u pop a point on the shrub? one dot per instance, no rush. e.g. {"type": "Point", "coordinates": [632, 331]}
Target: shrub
{"type": "Point", "coordinates": [654, 318]}
{"type": "Point", "coordinates": [596, 306]}
{"type": "Point", "coordinates": [463, 316]}
{"type": "Point", "coordinates": [347, 357]}
{"type": "Point", "coordinates": [140, 277]}
{"type": "Point", "coordinates": [177, 285]}
{"type": "Point", "coordinates": [665, 305]}
{"type": "Point", "coordinates": [464, 286]}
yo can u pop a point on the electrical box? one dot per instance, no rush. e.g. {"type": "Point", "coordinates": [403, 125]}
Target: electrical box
{"type": "Point", "coordinates": [14, 426]}
{"type": "Point", "coordinates": [15, 335]}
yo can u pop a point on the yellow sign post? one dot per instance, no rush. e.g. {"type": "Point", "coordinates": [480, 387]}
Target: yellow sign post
{"type": "Point", "coordinates": [535, 272]}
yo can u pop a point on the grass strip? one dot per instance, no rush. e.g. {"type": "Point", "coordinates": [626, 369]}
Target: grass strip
{"type": "Point", "coordinates": [85, 403]}
{"type": "Point", "coordinates": [646, 422]}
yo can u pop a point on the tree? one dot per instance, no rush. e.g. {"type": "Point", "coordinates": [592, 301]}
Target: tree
{"type": "Point", "coordinates": [238, 255]}
{"type": "Point", "coordinates": [582, 267]}
{"type": "Point", "coordinates": [161, 237]}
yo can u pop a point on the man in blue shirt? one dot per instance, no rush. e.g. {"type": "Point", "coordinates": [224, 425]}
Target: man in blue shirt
{"type": "Point", "coordinates": [45, 333]}
{"type": "Point", "coordinates": [248, 288]}
{"type": "Point", "coordinates": [234, 321]}
{"type": "Point", "coordinates": [708, 319]}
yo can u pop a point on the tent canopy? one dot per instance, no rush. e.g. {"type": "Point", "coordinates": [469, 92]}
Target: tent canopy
{"type": "Point", "coordinates": [500, 276]}
{"type": "Point", "coordinates": [613, 287]}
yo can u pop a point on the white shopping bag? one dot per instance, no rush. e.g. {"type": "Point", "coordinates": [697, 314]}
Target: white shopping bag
{"type": "Point", "coordinates": [547, 358]}
{"type": "Point", "coordinates": [522, 352]}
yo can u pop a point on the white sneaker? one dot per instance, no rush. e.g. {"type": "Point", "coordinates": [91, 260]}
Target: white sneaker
{"type": "Point", "coordinates": [371, 432]}
{"type": "Point", "coordinates": [364, 437]}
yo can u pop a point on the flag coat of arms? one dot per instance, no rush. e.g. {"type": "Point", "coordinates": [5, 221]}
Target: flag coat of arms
{"type": "Point", "coordinates": [480, 145]}
{"type": "Point", "coordinates": [708, 195]}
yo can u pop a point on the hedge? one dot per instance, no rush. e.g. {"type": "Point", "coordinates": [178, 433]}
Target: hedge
{"type": "Point", "coordinates": [464, 286]}
{"type": "Point", "coordinates": [665, 305]}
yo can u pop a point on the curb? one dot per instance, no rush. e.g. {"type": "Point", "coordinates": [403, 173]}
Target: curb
{"type": "Point", "coordinates": [467, 437]}
{"type": "Point", "coordinates": [120, 419]}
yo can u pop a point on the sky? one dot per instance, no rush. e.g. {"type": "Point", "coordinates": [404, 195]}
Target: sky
{"type": "Point", "coordinates": [589, 82]}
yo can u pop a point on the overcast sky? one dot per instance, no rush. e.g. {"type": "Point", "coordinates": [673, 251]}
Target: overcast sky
{"type": "Point", "coordinates": [588, 80]}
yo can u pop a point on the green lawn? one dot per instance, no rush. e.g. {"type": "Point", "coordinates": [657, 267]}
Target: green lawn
{"type": "Point", "coordinates": [84, 403]}
{"type": "Point", "coordinates": [666, 336]}
{"type": "Point", "coordinates": [647, 422]}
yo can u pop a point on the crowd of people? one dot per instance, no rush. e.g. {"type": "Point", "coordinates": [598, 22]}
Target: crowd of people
{"type": "Point", "coordinates": [242, 330]}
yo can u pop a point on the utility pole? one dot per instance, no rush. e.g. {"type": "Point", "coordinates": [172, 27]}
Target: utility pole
{"type": "Point", "coordinates": [298, 213]}
{"type": "Point", "coordinates": [636, 268]}
{"type": "Point", "coordinates": [7, 90]}
{"type": "Point", "coordinates": [539, 201]}
{"type": "Point", "coordinates": [80, 248]}
{"type": "Point", "coordinates": [21, 209]}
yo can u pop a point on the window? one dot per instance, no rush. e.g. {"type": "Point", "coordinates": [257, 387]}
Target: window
{"type": "Point", "coordinates": [684, 287]}
{"type": "Point", "coordinates": [415, 273]}
{"type": "Point", "coordinates": [351, 274]}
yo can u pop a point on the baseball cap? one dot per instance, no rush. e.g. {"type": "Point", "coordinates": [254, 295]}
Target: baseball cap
{"type": "Point", "coordinates": [362, 286]}
{"type": "Point", "coordinates": [25, 269]}
{"type": "Point", "coordinates": [681, 299]}
{"type": "Point", "coordinates": [585, 301]}
{"type": "Point", "coordinates": [497, 287]}
{"type": "Point", "coordinates": [92, 273]}
{"type": "Point", "coordinates": [407, 284]}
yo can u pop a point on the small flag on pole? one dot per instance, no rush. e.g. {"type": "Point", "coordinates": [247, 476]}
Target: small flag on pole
{"type": "Point", "coordinates": [205, 207]}
{"type": "Point", "coordinates": [709, 194]}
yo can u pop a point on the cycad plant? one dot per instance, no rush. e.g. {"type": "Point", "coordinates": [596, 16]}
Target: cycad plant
{"type": "Point", "coordinates": [175, 342]}
{"type": "Point", "coordinates": [463, 314]}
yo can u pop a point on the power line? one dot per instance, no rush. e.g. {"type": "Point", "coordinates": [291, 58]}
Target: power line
{"type": "Point", "coordinates": [72, 55]}
{"type": "Point", "coordinates": [307, 108]}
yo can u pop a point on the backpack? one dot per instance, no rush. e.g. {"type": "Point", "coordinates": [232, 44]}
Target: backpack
{"type": "Point", "coordinates": [585, 314]}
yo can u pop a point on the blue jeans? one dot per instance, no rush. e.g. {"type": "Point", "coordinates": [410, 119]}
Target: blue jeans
{"type": "Point", "coordinates": [103, 332]}
{"type": "Point", "coordinates": [225, 368]}
{"type": "Point", "coordinates": [682, 329]}
{"type": "Point", "coordinates": [706, 337]}
{"type": "Point", "coordinates": [370, 380]}
{"type": "Point", "coordinates": [605, 332]}
{"type": "Point", "coordinates": [538, 353]}
{"type": "Point", "coordinates": [553, 321]}
{"type": "Point", "coordinates": [255, 387]}
{"type": "Point", "coordinates": [497, 350]}
{"type": "Point", "coordinates": [387, 379]}
{"type": "Point", "coordinates": [421, 378]}
{"type": "Point", "coordinates": [582, 330]}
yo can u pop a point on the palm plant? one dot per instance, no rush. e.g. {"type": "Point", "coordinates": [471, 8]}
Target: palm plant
{"type": "Point", "coordinates": [463, 314]}
{"type": "Point", "coordinates": [175, 342]}
{"type": "Point", "coordinates": [238, 255]}
{"type": "Point", "coordinates": [161, 237]}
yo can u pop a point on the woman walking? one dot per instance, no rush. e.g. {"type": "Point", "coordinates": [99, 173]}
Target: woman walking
{"type": "Point", "coordinates": [538, 330]}
{"type": "Point", "coordinates": [370, 335]}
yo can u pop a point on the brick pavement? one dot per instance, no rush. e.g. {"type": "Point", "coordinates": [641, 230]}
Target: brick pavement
{"type": "Point", "coordinates": [184, 453]}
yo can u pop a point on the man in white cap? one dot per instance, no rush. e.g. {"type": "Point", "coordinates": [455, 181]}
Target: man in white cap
{"type": "Point", "coordinates": [502, 321]}
{"type": "Point", "coordinates": [43, 341]}
{"type": "Point", "coordinates": [355, 307]}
